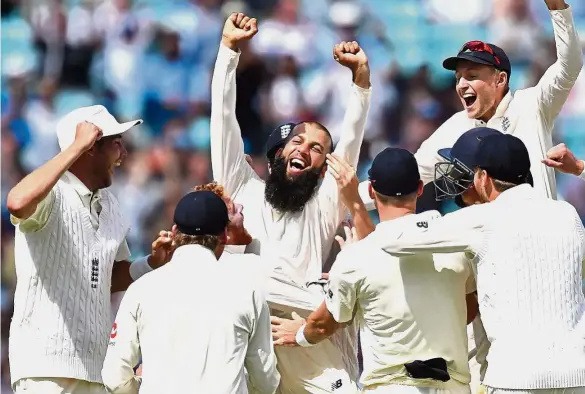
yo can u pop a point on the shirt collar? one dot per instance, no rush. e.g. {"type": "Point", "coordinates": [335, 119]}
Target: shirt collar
{"type": "Point", "coordinates": [397, 226]}
{"type": "Point", "coordinates": [520, 192]}
{"type": "Point", "coordinates": [79, 186]}
{"type": "Point", "coordinates": [193, 254]}
{"type": "Point", "coordinates": [503, 106]}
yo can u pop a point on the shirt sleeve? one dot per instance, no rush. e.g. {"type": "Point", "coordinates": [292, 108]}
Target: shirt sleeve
{"type": "Point", "coordinates": [39, 218]}
{"type": "Point", "coordinates": [342, 289]}
{"type": "Point", "coordinates": [555, 85]}
{"type": "Point", "coordinates": [228, 161]}
{"type": "Point", "coordinates": [348, 147]}
{"type": "Point", "coordinates": [470, 284]}
{"type": "Point", "coordinates": [123, 251]}
{"type": "Point", "coordinates": [460, 231]}
{"type": "Point", "coordinates": [582, 176]}
{"type": "Point", "coordinates": [123, 353]}
{"type": "Point", "coordinates": [260, 357]}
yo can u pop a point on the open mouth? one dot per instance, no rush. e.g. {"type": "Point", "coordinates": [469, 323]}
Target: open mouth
{"type": "Point", "coordinates": [296, 165]}
{"type": "Point", "coordinates": [469, 99]}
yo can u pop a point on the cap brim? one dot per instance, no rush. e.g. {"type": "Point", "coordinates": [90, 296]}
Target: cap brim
{"type": "Point", "coordinates": [121, 128]}
{"type": "Point", "coordinates": [451, 63]}
{"type": "Point", "coordinates": [445, 153]}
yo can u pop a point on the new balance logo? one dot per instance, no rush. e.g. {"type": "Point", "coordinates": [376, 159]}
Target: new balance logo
{"type": "Point", "coordinates": [336, 385]}
{"type": "Point", "coordinates": [422, 225]}
{"type": "Point", "coordinates": [505, 124]}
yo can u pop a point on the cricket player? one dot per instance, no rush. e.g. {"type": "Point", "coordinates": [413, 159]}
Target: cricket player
{"type": "Point", "coordinates": [529, 251]}
{"type": "Point", "coordinates": [291, 217]}
{"type": "Point", "coordinates": [412, 315]}
{"type": "Point", "coordinates": [70, 254]}
{"type": "Point", "coordinates": [482, 73]}
{"type": "Point", "coordinates": [189, 341]}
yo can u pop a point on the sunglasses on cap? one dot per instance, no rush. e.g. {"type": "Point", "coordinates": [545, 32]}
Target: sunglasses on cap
{"type": "Point", "coordinates": [479, 46]}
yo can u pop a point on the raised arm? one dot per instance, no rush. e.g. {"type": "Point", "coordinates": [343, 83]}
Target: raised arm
{"type": "Point", "coordinates": [228, 159]}
{"type": "Point", "coordinates": [23, 199]}
{"type": "Point", "coordinates": [555, 85]}
{"type": "Point", "coordinates": [349, 55]}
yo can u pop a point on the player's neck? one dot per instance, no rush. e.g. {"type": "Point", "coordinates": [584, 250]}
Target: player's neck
{"type": "Point", "coordinates": [391, 212]}
{"type": "Point", "coordinates": [86, 178]}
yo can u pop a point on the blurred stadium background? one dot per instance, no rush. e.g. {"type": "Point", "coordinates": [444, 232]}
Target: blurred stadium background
{"type": "Point", "coordinates": [153, 59]}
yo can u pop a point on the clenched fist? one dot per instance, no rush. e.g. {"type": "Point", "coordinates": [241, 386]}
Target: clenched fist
{"type": "Point", "coordinates": [86, 135]}
{"type": "Point", "coordinates": [561, 158]}
{"type": "Point", "coordinates": [350, 55]}
{"type": "Point", "coordinates": [238, 27]}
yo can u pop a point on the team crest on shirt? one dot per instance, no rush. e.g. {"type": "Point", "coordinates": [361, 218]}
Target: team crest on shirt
{"type": "Point", "coordinates": [505, 123]}
{"type": "Point", "coordinates": [284, 131]}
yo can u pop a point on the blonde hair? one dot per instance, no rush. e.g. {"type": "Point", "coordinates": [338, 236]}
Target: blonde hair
{"type": "Point", "coordinates": [213, 187]}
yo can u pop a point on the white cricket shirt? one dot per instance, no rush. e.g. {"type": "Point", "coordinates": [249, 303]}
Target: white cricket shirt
{"type": "Point", "coordinates": [529, 255]}
{"type": "Point", "coordinates": [298, 243]}
{"type": "Point", "coordinates": [315, 369]}
{"type": "Point", "coordinates": [409, 308]}
{"type": "Point", "coordinates": [528, 114]}
{"type": "Point", "coordinates": [196, 326]}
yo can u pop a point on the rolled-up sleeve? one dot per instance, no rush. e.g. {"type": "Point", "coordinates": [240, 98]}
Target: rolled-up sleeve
{"type": "Point", "coordinates": [228, 160]}
{"type": "Point", "coordinates": [555, 85]}
{"type": "Point", "coordinates": [348, 147]}
{"type": "Point", "coordinates": [123, 352]}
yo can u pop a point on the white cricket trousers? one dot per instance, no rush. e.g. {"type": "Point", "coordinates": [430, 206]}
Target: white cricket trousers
{"type": "Point", "coordinates": [451, 387]}
{"type": "Point", "coordinates": [57, 386]}
{"type": "Point", "coordinates": [568, 390]}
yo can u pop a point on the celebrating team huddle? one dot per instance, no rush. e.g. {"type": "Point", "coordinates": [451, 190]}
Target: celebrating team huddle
{"type": "Point", "coordinates": [234, 303]}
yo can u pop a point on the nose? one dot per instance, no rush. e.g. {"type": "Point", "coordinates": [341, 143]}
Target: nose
{"type": "Point", "coordinates": [123, 151]}
{"type": "Point", "coordinates": [462, 83]}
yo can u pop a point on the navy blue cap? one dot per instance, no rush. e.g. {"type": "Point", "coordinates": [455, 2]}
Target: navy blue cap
{"type": "Point", "coordinates": [278, 138]}
{"type": "Point", "coordinates": [476, 52]}
{"type": "Point", "coordinates": [394, 172]}
{"type": "Point", "coordinates": [464, 151]}
{"type": "Point", "coordinates": [201, 213]}
{"type": "Point", "coordinates": [505, 158]}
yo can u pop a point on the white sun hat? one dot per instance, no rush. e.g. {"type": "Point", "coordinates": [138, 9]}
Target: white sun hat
{"type": "Point", "coordinates": [96, 114]}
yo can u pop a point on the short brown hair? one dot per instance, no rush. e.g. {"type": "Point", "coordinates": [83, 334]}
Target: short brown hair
{"type": "Point", "coordinates": [207, 241]}
{"type": "Point", "coordinates": [502, 186]}
{"type": "Point", "coordinates": [395, 200]}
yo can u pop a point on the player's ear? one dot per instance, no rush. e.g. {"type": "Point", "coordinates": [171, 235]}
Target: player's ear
{"type": "Point", "coordinates": [502, 79]}
{"type": "Point", "coordinates": [371, 191]}
{"type": "Point", "coordinates": [420, 189]}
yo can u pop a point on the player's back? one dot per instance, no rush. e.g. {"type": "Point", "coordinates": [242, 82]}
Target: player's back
{"type": "Point", "coordinates": [195, 322]}
{"type": "Point", "coordinates": [530, 274]}
{"type": "Point", "coordinates": [412, 308]}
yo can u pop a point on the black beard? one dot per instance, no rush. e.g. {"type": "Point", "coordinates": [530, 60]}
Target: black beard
{"type": "Point", "coordinates": [289, 195]}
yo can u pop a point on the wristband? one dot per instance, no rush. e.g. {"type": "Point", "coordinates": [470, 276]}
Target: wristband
{"type": "Point", "coordinates": [300, 337]}
{"type": "Point", "coordinates": [140, 267]}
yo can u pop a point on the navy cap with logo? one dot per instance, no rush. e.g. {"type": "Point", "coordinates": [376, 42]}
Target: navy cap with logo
{"type": "Point", "coordinates": [278, 138]}
{"type": "Point", "coordinates": [394, 172]}
{"type": "Point", "coordinates": [201, 213]}
{"type": "Point", "coordinates": [481, 53]}
{"type": "Point", "coordinates": [465, 148]}
{"type": "Point", "coordinates": [504, 157]}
